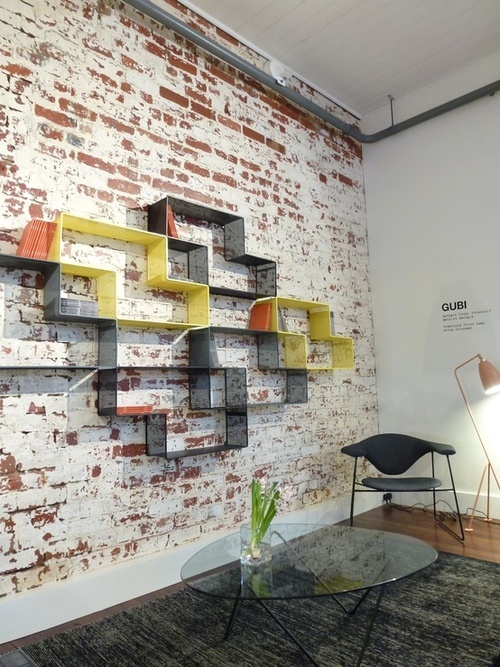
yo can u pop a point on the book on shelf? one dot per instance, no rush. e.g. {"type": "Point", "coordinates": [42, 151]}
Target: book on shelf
{"type": "Point", "coordinates": [332, 324]}
{"type": "Point", "coordinates": [260, 316]}
{"type": "Point", "coordinates": [36, 239]}
{"type": "Point", "coordinates": [79, 307]}
{"type": "Point", "coordinates": [133, 409]}
{"type": "Point", "coordinates": [27, 242]}
{"type": "Point", "coordinates": [171, 226]}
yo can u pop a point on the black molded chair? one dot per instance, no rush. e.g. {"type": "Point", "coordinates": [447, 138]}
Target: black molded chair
{"type": "Point", "coordinates": [393, 454]}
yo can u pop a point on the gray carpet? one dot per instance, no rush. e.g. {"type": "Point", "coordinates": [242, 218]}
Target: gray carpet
{"type": "Point", "coordinates": [445, 616]}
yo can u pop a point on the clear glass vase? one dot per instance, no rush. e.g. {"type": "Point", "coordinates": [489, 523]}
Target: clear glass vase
{"type": "Point", "coordinates": [253, 551]}
{"type": "Point", "coordinates": [256, 563]}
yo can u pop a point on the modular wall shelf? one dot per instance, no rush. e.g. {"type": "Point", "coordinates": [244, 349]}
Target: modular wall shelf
{"type": "Point", "coordinates": [234, 246]}
{"type": "Point", "coordinates": [52, 308]}
{"type": "Point", "coordinates": [295, 344]}
{"type": "Point", "coordinates": [16, 262]}
{"type": "Point", "coordinates": [49, 367]}
{"type": "Point", "coordinates": [157, 436]}
{"type": "Point", "coordinates": [211, 386]}
{"type": "Point", "coordinates": [203, 353]}
{"type": "Point", "coordinates": [156, 245]}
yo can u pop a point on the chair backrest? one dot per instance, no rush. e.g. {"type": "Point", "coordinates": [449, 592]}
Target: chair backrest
{"type": "Point", "coordinates": [394, 453]}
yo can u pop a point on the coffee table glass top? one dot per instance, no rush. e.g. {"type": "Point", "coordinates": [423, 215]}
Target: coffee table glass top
{"type": "Point", "coordinates": [308, 561]}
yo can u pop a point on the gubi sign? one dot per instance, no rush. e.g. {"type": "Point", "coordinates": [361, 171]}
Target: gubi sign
{"type": "Point", "coordinates": [457, 317]}
{"type": "Point", "coordinates": [456, 305]}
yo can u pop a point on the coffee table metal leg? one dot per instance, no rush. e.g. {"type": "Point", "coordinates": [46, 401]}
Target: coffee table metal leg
{"type": "Point", "coordinates": [234, 615]}
{"type": "Point", "coordinates": [239, 601]}
{"type": "Point", "coordinates": [288, 633]}
{"type": "Point", "coordinates": [372, 621]}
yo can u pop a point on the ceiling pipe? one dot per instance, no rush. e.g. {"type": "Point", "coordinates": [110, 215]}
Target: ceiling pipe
{"type": "Point", "coordinates": [164, 18]}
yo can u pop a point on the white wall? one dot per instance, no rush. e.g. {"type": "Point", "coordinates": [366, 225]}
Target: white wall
{"type": "Point", "coordinates": [433, 202]}
{"type": "Point", "coordinates": [118, 115]}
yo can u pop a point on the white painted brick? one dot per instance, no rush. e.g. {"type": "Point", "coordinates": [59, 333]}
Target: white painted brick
{"type": "Point", "coordinates": [93, 468]}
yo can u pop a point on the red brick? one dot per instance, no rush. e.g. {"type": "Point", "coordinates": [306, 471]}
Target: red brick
{"type": "Point", "coordinates": [202, 110]}
{"type": "Point", "coordinates": [198, 145]}
{"type": "Point", "coordinates": [130, 63]}
{"type": "Point", "coordinates": [107, 80]}
{"type": "Point", "coordinates": [345, 179]}
{"type": "Point", "coordinates": [182, 64]}
{"type": "Point", "coordinates": [56, 151]}
{"type": "Point", "coordinates": [7, 465]}
{"type": "Point", "coordinates": [35, 409]}
{"type": "Point", "coordinates": [198, 96]}
{"type": "Point", "coordinates": [133, 450]}
{"type": "Point", "coordinates": [222, 73]}
{"type": "Point", "coordinates": [174, 97]}
{"type": "Point", "coordinates": [252, 134]}
{"type": "Point", "coordinates": [97, 47]}
{"type": "Point", "coordinates": [195, 195]}
{"type": "Point", "coordinates": [49, 132]}
{"type": "Point", "coordinates": [123, 186]}
{"type": "Point", "coordinates": [133, 25]}
{"type": "Point", "coordinates": [126, 87]}
{"type": "Point", "coordinates": [96, 163]}
{"type": "Point", "coordinates": [226, 156]}
{"type": "Point", "coordinates": [55, 116]}
{"type": "Point", "coordinates": [114, 124]}
{"type": "Point", "coordinates": [12, 482]}
{"type": "Point", "coordinates": [196, 169]}
{"type": "Point", "coordinates": [127, 173]}
{"type": "Point", "coordinates": [156, 49]}
{"type": "Point", "coordinates": [276, 146]}
{"type": "Point", "coordinates": [17, 70]}
{"type": "Point", "coordinates": [151, 136]}
{"type": "Point", "coordinates": [43, 516]}
{"type": "Point", "coordinates": [229, 123]}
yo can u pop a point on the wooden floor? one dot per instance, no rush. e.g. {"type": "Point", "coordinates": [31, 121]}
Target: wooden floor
{"type": "Point", "coordinates": [483, 543]}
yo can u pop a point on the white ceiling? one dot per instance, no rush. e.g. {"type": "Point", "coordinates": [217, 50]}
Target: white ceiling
{"type": "Point", "coordinates": [360, 52]}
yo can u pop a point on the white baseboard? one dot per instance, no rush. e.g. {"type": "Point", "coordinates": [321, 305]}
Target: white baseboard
{"type": "Point", "coordinates": [53, 604]}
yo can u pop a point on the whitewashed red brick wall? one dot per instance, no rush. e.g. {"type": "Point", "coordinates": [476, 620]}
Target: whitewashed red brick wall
{"type": "Point", "coordinates": [103, 112]}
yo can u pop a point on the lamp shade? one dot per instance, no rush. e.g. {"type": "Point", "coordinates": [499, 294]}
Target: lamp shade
{"type": "Point", "coordinates": [490, 377]}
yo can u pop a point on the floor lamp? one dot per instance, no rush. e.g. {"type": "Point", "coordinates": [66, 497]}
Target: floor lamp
{"type": "Point", "coordinates": [490, 379]}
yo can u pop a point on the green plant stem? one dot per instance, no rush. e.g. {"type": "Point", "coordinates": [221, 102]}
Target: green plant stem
{"type": "Point", "coordinates": [264, 508]}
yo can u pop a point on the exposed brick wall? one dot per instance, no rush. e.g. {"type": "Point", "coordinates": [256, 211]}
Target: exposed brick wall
{"type": "Point", "coordinates": [101, 113]}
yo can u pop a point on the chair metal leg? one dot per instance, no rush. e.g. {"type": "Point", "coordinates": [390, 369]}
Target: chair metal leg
{"type": "Point", "coordinates": [433, 490]}
{"type": "Point", "coordinates": [353, 491]}
{"type": "Point", "coordinates": [461, 536]}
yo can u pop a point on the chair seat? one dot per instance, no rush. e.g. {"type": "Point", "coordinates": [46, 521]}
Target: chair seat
{"type": "Point", "coordinates": [401, 483]}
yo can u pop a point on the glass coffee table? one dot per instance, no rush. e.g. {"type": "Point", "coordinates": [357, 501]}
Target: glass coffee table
{"type": "Point", "coordinates": [308, 561]}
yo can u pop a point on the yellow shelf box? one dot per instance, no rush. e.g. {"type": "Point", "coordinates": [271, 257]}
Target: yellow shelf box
{"type": "Point", "coordinates": [295, 344]}
{"type": "Point", "coordinates": [197, 295]}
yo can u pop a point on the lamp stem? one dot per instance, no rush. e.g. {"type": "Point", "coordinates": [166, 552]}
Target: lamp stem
{"type": "Point", "coordinates": [488, 482]}
{"type": "Point", "coordinates": [488, 468]}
